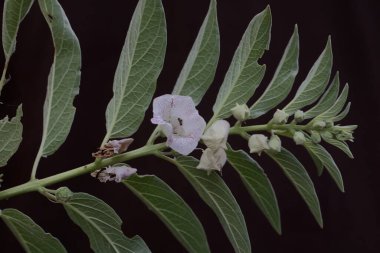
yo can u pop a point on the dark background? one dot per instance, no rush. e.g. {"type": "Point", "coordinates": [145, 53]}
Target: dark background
{"type": "Point", "coordinates": [351, 219]}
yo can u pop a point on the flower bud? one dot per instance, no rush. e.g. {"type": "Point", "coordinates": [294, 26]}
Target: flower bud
{"type": "Point", "coordinates": [63, 194]}
{"type": "Point", "coordinates": [326, 134]}
{"type": "Point", "coordinates": [257, 143]}
{"type": "Point", "coordinates": [240, 112]}
{"type": "Point", "coordinates": [315, 137]}
{"type": "Point", "coordinates": [319, 125]}
{"type": "Point", "coordinates": [212, 160]}
{"type": "Point", "coordinates": [299, 138]}
{"type": "Point", "coordinates": [216, 135]}
{"type": "Point", "coordinates": [345, 136]}
{"type": "Point", "coordinates": [275, 143]}
{"type": "Point", "coordinates": [280, 117]}
{"type": "Point", "coordinates": [299, 116]}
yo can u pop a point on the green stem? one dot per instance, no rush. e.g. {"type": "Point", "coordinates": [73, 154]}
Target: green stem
{"type": "Point", "coordinates": [266, 127]}
{"type": "Point", "coordinates": [36, 184]}
{"type": "Point", "coordinates": [35, 164]}
{"type": "Point", "coordinates": [3, 78]}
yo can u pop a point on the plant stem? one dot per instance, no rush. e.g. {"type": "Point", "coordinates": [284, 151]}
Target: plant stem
{"type": "Point", "coordinates": [3, 78]}
{"type": "Point", "coordinates": [36, 184]}
{"type": "Point", "coordinates": [266, 127]}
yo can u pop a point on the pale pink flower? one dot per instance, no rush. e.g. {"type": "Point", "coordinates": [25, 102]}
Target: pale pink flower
{"type": "Point", "coordinates": [180, 122]}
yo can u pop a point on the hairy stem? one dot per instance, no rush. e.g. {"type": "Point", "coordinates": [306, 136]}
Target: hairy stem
{"type": "Point", "coordinates": [36, 184]}
{"type": "Point", "coordinates": [238, 130]}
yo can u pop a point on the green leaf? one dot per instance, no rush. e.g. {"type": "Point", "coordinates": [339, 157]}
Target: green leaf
{"type": "Point", "coordinates": [10, 136]}
{"type": "Point", "coordinates": [139, 65]}
{"type": "Point", "coordinates": [245, 73]}
{"type": "Point", "coordinates": [171, 209]}
{"type": "Point", "coordinates": [216, 194]}
{"type": "Point", "coordinates": [326, 101]}
{"type": "Point", "coordinates": [282, 81]}
{"type": "Point", "coordinates": [318, 163]}
{"type": "Point", "coordinates": [298, 176]}
{"type": "Point", "coordinates": [327, 161]}
{"type": "Point", "coordinates": [257, 184]}
{"type": "Point", "coordinates": [63, 81]}
{"type": "Point", "coordinates": [31, 236]}
{"type": "Point", "coordinates": [339, 144]}
{"type": "Point", "coordinates": [13, 14]}
{"type": "Point", "coordinates": [343, 113]}
{"type": "Point", "coordinates": [315, 82]}
{"type": "Point", "coordinates": [198, 72]}
{"type": "Point", "coordinates": [336, 107]}
{"type": "Point", "coordinates": [102, 225]}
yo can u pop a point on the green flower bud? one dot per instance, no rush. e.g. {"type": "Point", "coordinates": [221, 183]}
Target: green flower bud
{"type": "Point", "coordinates": [280, 117]}
{"type": "Point", "coordinates": [329, 124]}
{"type": "Point", "coordinates": [315, 137]}
{"type": "Point", "coordinates": [275, 143]}
{"type": "Point", "coordinates": [299, 116]}
{"type": "Point", "coordinates": [240, 112]}
{"type": "Point", "coordinates": [299, 138]}
{"type": "Point", "coordinates": [319, 125]}
{"type": "Point", "coordinates": [63, 194]}
{"type": "Point", "coordinates": [326, 134]}
{"type": "Point", "coordinates": [345, 136]}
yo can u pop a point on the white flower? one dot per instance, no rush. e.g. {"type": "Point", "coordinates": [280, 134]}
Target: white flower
{"type": "Point", "coordinates": [212, 160]}
{"type": "Point", "coordinates": [180, 122]}
{"type": "Point", "coordinates": [216, 135]}
{"type": "Point", "coordinates": [299, 138]}
{"type": "Point", "coordinates": [280, 117]}
{"type": "Point", "coordinates": [113, 173]}
{"type": "Point", "coordinates": [275, 143]}
{"type": "Point", "coordinates": [240, 112]}
{"type": "Point", "coordinates": [258, 143]}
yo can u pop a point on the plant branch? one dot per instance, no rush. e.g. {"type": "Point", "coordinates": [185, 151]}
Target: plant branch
{"type": "Point", "coordinates": [36, 184]}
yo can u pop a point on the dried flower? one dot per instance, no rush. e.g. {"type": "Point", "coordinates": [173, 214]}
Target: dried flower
{"type": "Point", "coordinates": [180, 122]}
{"type": "Point", "coordinates": [216, 135]}
{"type": "Point", "coordinates": [114, 173]}
{"type": "Point", "coordinates": [113, 147]}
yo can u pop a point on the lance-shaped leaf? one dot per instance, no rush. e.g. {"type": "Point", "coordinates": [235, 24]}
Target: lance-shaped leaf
{"type": "Point", "coordinates": [343, 113]}
{"type": "Point", "coordinates": [198, 72]}
{"type": "Point", "coordinates": [339, 144]}
{"type": "Point", "coordinates": [298, 176]}
{"type": "Point", "coordinates": [139, 65]}
{"type": "Point", "coordinates": [63, 81]}
{"type": "Point", "coordinates": [317, 162]}
{"type": "Point", "coordinates": [102, 225]}
{"type": "Point", "coordinates": [245, 73]}
{"type": "Point", "coordinates": [31, 236]}
{"type": "Point", "coordinates": [257, 184]}
{"type": "Point", "coordinates": [282, 81]}
{"type": "Point", "coordinates": [216, 194]}
{"type": "Point", "coordinates": [336, 107]}
{"type": "Point", "coordinates": [172, 210]}
{"type": "Point", "coordinates": [326, 101]}
{"type": "Point", "coordinates": [13, 13]}
{"type": "Point", "coordinates": [315, 82]}
{"type": "Point", "coordinates": [10, 136]}
{"type": "Point", "coordinates": [327, 161]}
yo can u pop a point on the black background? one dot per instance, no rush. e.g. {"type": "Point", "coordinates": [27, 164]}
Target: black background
{"type": "Point", "coordinates": [351, 219]}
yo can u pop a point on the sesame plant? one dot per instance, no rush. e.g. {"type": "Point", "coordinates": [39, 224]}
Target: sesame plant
{"type": "Point", "coordinates": [310, 118]}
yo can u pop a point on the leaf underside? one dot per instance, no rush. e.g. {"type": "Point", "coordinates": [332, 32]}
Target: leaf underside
{"type": "Point", "coordinates": [171, 209]}
{"type": "Point", "coordinates": [216, 194]}
{"type": "Point", "coordinates": [31, 236]}
{"type": "Point", "coordinates": [102, 225]}
{"type": "Point", "coordinates": [63, 81]}
{"type": "Point", "coordinates": [10, 136]}
{"type": "Point", "coordinates": [139, 65]}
